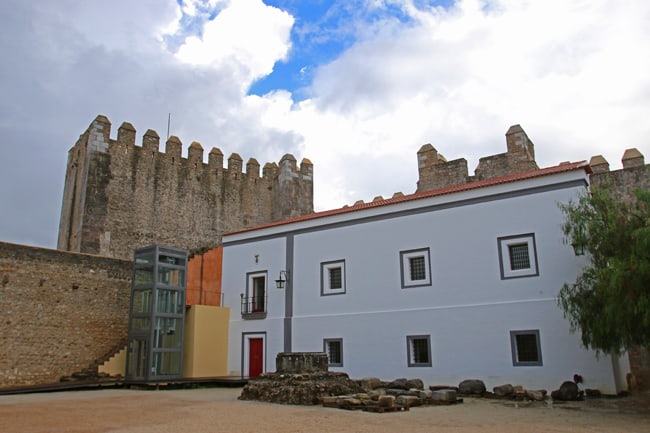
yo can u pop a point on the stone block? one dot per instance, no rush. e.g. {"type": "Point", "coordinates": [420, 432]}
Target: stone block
{"type": "Point", "coordinates": [376, 393]}
{"type": "Point", "coordinates": [301, 362]}
{"type": "Point", "coordinates": [351, 401]}
{"type": "Point", "coordinates": [330, 401]}
{"type": "Point", "coordinates": [414, 384]}
{"type": "Point", "coordinates": [444, 395]}
{"type": "Point", "coordinates": [398, 384]}
{"type": "Point", "coordinates": [386, 400]}
{"type": "Point", "coordinates": [408, 400]}
{"type": "Point", "coordinates": [471, 386]}
{"type": "Point", "coordinates": [370, 383]}
{"type": "Point", "coordinates": [568, 392]}
{"type": "Point", "coordinates": [503, 390]}
{"type": "Point", "coordinates": [537, 395]}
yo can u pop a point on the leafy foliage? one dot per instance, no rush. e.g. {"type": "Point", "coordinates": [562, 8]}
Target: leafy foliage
{"type": "Point", "coordinates": [610, 300]}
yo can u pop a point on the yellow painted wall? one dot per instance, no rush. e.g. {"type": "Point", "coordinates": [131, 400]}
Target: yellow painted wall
{"type": "Point", "coordinates": [206, 341]}
{"type": "Point", "coordinates": [116, 366]}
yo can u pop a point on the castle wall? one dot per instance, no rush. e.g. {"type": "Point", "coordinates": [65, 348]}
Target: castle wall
{"type": "Point", "coordinates": [436, 172]}
{"type": "Point", "coordinates": [60, 312]}
{"type": "Point", "coordinates": [504, 164]}
{"type": "Point", "coordinates": [623, 182]}
{"type": "Point", "coordinates": [119, 196]}
{"type": "Point", "coordinates": [295, 192]}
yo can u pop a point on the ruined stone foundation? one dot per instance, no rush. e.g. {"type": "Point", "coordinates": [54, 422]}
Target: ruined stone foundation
{"type": "Point", "coordinates": [302, 379]}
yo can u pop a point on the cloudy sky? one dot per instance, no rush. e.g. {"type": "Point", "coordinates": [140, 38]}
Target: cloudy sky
{"type": "Point", "coordinates": [356, 86]}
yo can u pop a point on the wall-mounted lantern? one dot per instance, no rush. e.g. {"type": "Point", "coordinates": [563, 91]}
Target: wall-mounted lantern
{"type": "Point", "coordinates": [578, 248]}
{"type": "Point", "coordinates": [283, 278]}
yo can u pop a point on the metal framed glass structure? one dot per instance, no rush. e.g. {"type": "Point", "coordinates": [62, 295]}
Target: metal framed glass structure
{"type": "Point", "coordinates": [155, 341]}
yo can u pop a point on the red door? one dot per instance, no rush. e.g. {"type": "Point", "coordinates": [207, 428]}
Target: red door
{"type": "Point", "coordinates": [255, 357]}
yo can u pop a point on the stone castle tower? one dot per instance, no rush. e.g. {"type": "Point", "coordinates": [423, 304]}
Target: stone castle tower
{"type": "Point", "coordinates": [119, 196]}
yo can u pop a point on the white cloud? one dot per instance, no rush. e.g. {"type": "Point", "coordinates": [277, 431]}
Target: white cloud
{"type": "Point", "coordinates": [124, 26]}
{"type": "Point", "coordinates": [247, 33]}
{"type": "Point", "coordinates": [573, 73]}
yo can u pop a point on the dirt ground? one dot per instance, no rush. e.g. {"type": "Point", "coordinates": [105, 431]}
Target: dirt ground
{"type": "Point", "coordinates": [217, 410]}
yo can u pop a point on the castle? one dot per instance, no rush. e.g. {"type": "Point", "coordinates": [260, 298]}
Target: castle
{"type": "Point", "coordinates": [72, 304]}
{"type": "Point", "coordinates": [119, 196]}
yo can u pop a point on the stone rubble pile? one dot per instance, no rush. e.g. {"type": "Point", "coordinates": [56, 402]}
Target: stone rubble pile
{"type": "Point", "coordinates": [568, 391]}
{"type": "Point", "coordinates": [301, 389]}
{"type": "Point", "coordinates": [400, 394]}
{"type": "Point", "coordinates": [304, 379]}
{"type": "Point", "coordinates": [301, 378]}
{"type": "Point", "coordinates": [476, 387]}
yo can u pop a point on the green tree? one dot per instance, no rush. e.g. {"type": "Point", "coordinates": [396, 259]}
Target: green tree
{"type": "Point", "coordinates": [610, 301]}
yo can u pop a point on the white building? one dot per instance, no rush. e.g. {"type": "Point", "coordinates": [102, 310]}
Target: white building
{"type": "Point", "coordinates": [441, 285]}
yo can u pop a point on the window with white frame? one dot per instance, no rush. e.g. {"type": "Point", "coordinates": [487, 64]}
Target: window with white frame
{"type": "Point", "coordinates": [333, 347]}
{"type": "Point", "coordinates": [526, 348]}
{"type": "Point", "coordinates": [518, 256]}
{"type": "Point", "coordinates": [419, 350]}
{"type": "Point", "coordinates": [415, 268]}
{"type": "Point", "coordinates": [332, 277]}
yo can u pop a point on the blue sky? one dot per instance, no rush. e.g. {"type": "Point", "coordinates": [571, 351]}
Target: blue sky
{"type": "Point", "coordinates": [321, 32]}
{"type": "Point", "coordinates": [356, 86]}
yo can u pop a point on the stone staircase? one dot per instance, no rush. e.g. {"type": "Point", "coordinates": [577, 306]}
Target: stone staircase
{"type": "Point", "coordinates": [92, 372]}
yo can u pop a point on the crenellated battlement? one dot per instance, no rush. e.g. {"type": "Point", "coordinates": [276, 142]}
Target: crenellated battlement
{"type": "Point", "coordinates": [436, 172]}
{"type": "Point", "coordinates": [622, 183]}
{"type": "Point", "coordinates": [631, 159]}
{"type": "Point", "coordinates": [98, 135]}
{"type": "Point", "coordinates": [120, 195]}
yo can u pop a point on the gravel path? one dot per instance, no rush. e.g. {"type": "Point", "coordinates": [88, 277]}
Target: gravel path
{"type": "Point", "coordinates": [217, 410]}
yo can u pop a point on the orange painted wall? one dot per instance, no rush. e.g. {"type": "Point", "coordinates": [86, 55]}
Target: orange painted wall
{"type": "Point", "coordinates": [204, 278]}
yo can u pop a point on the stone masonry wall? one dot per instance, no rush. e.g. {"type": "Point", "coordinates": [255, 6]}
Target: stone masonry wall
{"type": "Point", "coordinates": [622, 183]}
{"type": "Point", "coordinates": [519, 158]}
{"type": "Point", "coordinates": [60, 312]}
{"type": "Point", "coordinates": [436, 172]}
{"type": "Point", "coordinates": [119, 196]}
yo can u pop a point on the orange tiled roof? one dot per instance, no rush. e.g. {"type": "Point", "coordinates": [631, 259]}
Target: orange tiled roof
{"type": "Point", "coordinates": [561, 168]}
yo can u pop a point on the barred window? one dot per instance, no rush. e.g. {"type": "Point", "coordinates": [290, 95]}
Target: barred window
{"type": "Point", "coordinates": [526, 348]}
{"type": "Point", "coordinates": [333, 347]}
{"type": "Point", "coordinates": [336, 281]}
{"type": "Point", "coordinates": [519, 258]}
{"type": "Point", "coordinates": [419, 350]}
{"type": "Point", "coordinates": [332, 277]}
{"type": "Point", "coordinates": [417, 267]}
